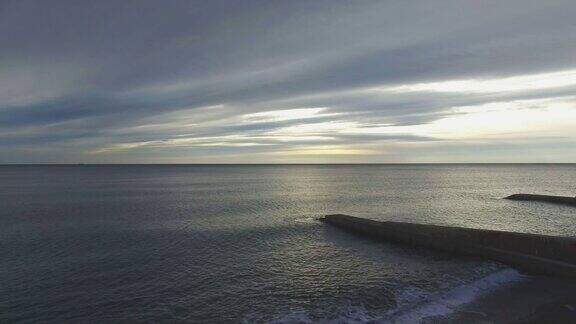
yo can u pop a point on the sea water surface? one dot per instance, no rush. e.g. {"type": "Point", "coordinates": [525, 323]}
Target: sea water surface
{"type": "Point", "coordinates": [241, 243]}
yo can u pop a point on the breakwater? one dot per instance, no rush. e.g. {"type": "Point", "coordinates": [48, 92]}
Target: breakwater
{"type": "Point", "coordinates": [529, 253]}
{"type": "Point", "coordinates": [564, 200]}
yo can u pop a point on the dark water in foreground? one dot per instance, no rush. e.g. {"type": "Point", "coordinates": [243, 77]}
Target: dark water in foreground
{"type": "Point", "coordinates": [241, 243]}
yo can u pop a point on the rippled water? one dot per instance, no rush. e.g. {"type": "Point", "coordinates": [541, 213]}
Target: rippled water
{"type": "Point", "coordinates": [241, 243]}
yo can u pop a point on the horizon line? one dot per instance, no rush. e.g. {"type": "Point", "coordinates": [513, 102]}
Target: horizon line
{"type": "Point", "coordinates": [271, 164]}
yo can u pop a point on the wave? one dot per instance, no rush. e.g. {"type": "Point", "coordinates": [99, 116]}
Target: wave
{"type": "Point", "coordinates": [414, 305]}
{"type": "Point", "coordinates": [445, 303]}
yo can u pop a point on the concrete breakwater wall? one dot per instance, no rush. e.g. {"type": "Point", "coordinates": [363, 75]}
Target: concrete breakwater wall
{"type": "Point", "coordinates": [564, 200]}
{"type": "Point", "coordinates": [530, 253]}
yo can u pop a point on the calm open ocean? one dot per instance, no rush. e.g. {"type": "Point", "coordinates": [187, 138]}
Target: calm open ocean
{"type": "Point", "coordinates": [209, 244]}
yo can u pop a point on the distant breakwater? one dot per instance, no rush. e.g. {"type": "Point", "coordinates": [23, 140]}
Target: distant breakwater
{"type": "Point", "coordinates": [529, 253]}
{"type": "Point", "coordinates": [564, 200]}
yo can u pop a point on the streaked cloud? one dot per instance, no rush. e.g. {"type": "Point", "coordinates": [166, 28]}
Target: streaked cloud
{"type": "Point", "coordinates": [287, 81]}
{"type": "Point", "coordinates": [287, 114]}
{"type": "Point", "coordinates": [520, 119]}
{"type": "Point", "coordinates": [510, 84]}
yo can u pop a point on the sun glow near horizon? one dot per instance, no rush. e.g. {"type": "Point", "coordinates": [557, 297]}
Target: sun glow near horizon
{"type": "Point", "coordinates": [520, 119]}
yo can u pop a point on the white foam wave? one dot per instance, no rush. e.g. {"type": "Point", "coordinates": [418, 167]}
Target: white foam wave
{"type": "Point", "coordinates": [414, 304]}
{"type": "Point", "coordinates": [445, 303]}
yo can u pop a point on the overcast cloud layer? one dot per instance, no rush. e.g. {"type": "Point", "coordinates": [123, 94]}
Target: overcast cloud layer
{"type": "Point", "coordinates": [287, 81]}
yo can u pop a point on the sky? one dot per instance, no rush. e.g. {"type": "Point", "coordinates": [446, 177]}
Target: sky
{"type": "Point", "coordinates": [277, 81]}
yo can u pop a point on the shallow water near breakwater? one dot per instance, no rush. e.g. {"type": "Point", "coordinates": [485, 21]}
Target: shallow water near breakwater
{"type": "Point", "coordinates": [241, 243]}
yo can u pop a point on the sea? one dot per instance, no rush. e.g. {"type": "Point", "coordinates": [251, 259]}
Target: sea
{"type": "Point", "coordinates": [243, 243]}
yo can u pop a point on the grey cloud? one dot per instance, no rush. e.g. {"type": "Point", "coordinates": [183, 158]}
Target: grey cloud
{"type": "Point", "coordinates": [86, 73]}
